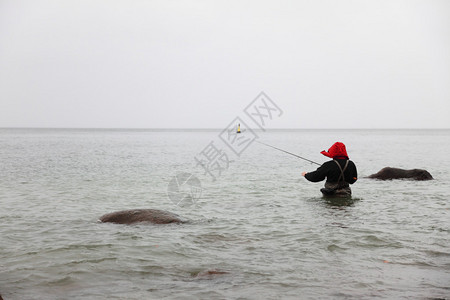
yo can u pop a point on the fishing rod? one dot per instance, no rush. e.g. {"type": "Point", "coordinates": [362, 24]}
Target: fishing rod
{"type": "Point", "coordinates": [289, 153]}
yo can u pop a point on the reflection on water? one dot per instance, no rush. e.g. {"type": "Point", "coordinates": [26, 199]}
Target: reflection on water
{"type": "Point", "coordinates": [340, 201]}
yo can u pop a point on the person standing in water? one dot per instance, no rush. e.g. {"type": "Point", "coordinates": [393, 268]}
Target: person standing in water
{"type": "Point", "coordinates": [339, 172]}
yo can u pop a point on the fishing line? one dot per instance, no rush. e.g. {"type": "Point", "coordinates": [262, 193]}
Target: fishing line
{"type": "Point", "coordinates": [288, 153]}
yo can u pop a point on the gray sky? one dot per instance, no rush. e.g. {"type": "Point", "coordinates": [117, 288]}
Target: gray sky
{"type": "Point", "coordinates": [198, 64]}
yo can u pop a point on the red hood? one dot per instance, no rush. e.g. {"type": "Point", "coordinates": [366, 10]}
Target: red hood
{"type": "Point", "coordinates": [338, 149]}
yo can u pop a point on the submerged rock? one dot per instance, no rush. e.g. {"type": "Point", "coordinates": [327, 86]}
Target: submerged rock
{"type": "Point", "coordinates": [154, 216]}
{"type": "Point", "coordinates": [396, 173]}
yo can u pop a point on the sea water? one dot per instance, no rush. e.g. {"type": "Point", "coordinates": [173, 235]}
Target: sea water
{"type": "Point", "coordinates": [258, 223]}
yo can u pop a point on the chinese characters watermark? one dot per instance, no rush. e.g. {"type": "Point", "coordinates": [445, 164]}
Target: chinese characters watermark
{"type": "Point", "coordinates": [185, 189]}
{"type": "Point", "coordinates": [261, 109]}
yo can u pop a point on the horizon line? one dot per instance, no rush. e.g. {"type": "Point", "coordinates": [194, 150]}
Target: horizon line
{"type": "Point", "coordinates": [217, 128]}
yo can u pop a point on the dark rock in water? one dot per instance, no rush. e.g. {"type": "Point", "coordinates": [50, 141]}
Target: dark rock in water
{"type": "Point", "coordinates": [1, 297]}
{"type": "Point", "coordinates": [395, 173]}
{"type": "Point", "coordinates": [154, 216]}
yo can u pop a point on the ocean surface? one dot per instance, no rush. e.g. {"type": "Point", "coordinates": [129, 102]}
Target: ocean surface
{"type": "Point", "coordinates": [257, 230]}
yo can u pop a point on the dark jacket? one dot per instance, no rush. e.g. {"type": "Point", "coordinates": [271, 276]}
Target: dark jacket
{"type": "Point", "coordinates": [331, 172]}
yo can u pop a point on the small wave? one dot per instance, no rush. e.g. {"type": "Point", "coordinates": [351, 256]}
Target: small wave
{"type": "Point", "coordinates": [209, 274]}
{"type": "Point", "coordinates": [335, 248]}
{"type": "Point", "coordinates": [372, 241]}
{"type": "Point", "coordinates": [61, 281]}
{"type": "Point", "coordinates": [92, 261]}
{"type": "Point", "coordinates": [435, 253]}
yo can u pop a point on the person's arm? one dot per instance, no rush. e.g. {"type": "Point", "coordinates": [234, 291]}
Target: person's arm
{"type": "Point", "coordinates": [317, 175]}
{"type": "Point", "coordinates": [353, 174]}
